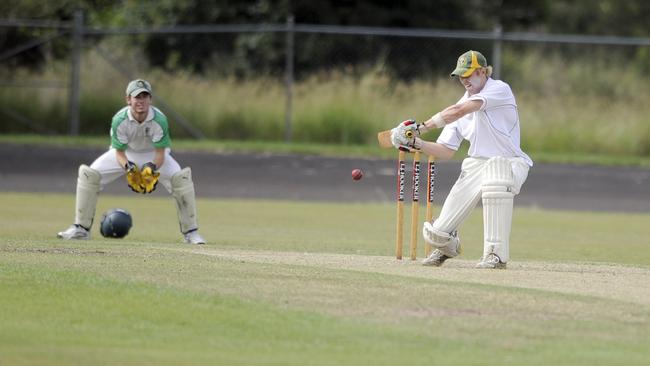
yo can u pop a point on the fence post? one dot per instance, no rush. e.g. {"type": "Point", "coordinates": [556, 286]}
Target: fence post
{"type": "Point", "coordinates": [77, 39]}
{"type": "Point", "coordinates": [288, 80]}
{"type": "Point", "coordinates": [496, 51]}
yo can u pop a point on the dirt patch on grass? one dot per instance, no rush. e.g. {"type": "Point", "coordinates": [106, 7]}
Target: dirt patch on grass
{"type": "Point", "coordinates": [608, 281]}
{"type": "Point", "coordinates": [70, 251]}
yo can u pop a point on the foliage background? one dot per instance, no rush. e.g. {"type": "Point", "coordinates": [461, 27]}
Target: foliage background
{"type": "Point", "coordinates": [572, 98]}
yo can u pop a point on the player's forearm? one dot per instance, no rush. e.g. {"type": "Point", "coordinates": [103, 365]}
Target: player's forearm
{"type": "Point", "coordinates": [159, 157]}
{"type": "Point", "coordinates": [440, 119]}
{"type": "Point", "coordinates": [450, 114]}
{"type": "Point", "coordinates": [439, 151]}
{"type": "Point", "coordinates": [121, 157]}
{"type": "Point", "coordinates": [436, 121]}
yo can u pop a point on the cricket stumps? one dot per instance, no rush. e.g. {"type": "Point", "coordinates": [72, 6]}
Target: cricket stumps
{"type": "Point", "coordinates": [415, 202]}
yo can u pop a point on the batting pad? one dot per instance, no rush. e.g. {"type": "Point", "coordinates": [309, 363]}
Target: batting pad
{"type": "Point", "coordinates": [88, 188]}
{"type": "Point", "coordinates": [448, 244]}
{"type": "Point", "coordinates": [183, 192]}
{"type": "Point", "coordinates": [498, 200]}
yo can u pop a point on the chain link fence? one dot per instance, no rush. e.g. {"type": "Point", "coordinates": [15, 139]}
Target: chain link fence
{"type": "Point", "coordinates": [299, 81]}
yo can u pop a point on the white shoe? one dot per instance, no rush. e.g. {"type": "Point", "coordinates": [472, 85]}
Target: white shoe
{"type": "Point", "coordinates": [491, 261]}
{"type": "Point", "coordinates": [76, 232]}
{"type": "Point", "coordinates": [193, 237]}
{"type": "Point", "coordinates": [436, 258]}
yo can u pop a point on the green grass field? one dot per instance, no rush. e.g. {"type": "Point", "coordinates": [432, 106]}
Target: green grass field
{"type": "Point", "coordinates": [286, 283]}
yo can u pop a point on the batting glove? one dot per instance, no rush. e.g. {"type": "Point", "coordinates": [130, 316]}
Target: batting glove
{"type": "Point", "coordinates": [404, 135]}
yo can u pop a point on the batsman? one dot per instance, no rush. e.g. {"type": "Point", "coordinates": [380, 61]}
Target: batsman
{"type": "Point", "coordinates": [493, 172]}
{"type": "Point", "coordinates": [140, 151]}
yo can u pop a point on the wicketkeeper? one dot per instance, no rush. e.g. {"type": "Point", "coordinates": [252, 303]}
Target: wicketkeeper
{"type": "Point", "coordinates": [140, 149]}
{"type": "Point", "coordinates": [494, 171]}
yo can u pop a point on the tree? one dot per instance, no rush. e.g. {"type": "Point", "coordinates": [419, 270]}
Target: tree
{"type": "Point", "coordinates": [56, 11]}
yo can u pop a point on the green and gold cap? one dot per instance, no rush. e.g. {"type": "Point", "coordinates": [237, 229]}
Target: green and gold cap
{"type": "Point", "coordinates": [138, 86]}
{"type": "Point", "coordinates": [468, 62]}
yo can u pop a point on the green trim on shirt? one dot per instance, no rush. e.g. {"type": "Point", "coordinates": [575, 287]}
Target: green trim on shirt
{"type": "Point", "coordinates": [118, 118]}
{"type": "Point", "coordinates": [161, 120]}
{"type": "Point", "coordinates": [158, 118]}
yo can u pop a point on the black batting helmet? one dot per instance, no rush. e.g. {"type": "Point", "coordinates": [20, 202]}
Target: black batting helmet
{"type": "Point", "coordinates": [116, 223]}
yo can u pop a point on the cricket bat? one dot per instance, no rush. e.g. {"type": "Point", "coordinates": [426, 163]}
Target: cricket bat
{"type": "Point", "coordinates": [383, 138]}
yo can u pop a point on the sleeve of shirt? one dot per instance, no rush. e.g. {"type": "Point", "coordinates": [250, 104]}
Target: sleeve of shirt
{"type": "Point", "coordinates": [496, 95]}
{"type": "Point", "coordinates": [160, 136]}
{"type": "Point", "coordinates": [480, 98]}
{"type": "Point", "coordinates": [119, 139]}
{"type": "Point", "coordinates": [450, 136]}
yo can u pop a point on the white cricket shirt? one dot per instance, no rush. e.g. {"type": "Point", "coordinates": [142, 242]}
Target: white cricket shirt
{"type": "Point", "coordinates": [493, 130]}
{"type": "Point", "coordinates": [129, 134]}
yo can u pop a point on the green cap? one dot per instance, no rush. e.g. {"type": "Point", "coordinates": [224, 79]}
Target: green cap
{"type": "Point", "coordinates": [138, 86]}
{"type": "Point", "coordinates": [468, 62]}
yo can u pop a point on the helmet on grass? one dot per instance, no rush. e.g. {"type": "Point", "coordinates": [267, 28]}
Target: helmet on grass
{"type": "Point", "coordinates": [116, 223]}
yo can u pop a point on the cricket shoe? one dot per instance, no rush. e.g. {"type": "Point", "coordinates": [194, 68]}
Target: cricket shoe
{"type": "Point", "coordinates": [193, 237]}
{"type": "Point", "coordinates": [447, 245]}
{"type": "Point", "coordinates": [491, 261]}
{"type": "Point", "coordinates": [76, 232]}
{"type": "Point", "coordinates": [436, 258]}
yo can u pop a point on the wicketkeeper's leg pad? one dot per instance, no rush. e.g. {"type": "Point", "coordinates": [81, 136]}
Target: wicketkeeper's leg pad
{"type": "Point", "coordinates": [498, 200]}
{"type": "Point", "coordinates": [183, 193]}
{"type": "Point", "coordinates": [88, 187]}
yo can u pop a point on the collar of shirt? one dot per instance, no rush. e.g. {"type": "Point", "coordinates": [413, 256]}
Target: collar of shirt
{"type": "Point", "coordinates": [150, 115]}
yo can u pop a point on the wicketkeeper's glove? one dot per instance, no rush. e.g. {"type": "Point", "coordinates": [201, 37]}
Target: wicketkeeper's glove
{"type": "Point", "coordinates": [149, 177]}
{"type": "Point", "coordinates": [133, 178]}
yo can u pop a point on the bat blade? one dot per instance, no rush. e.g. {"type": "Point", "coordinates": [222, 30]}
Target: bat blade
{"type": "Point", "coordinates": [383, 138]}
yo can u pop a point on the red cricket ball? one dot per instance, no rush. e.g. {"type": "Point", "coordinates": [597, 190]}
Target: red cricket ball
{"type": "Point", "coordinates": [357, 174]}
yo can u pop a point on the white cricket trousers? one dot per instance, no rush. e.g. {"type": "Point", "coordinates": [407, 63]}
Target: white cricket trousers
{"type": "Point", "coordinates": [110, 169]}
{"type": "Point", "coordinates": [466, 192]}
